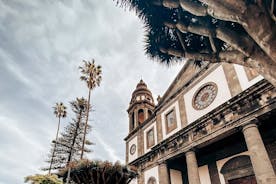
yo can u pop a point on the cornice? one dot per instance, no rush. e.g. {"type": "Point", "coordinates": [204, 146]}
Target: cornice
{"type": "Point", "coordinates": [139, 103]}
{"type": "Point", "coordinates": [250, 101]}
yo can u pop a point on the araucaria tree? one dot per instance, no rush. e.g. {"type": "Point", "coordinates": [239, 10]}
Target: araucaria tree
{"type": "Point", "coordinates": [92, 75]}
{"type": "Point", "coordinates": [233, 31]}
{"type": "Point", "coordinates": [79, 107]}
{"type": "Point", "coordinates": [69, 144]}
{"type": "Point", "coordinates": [60, 112]}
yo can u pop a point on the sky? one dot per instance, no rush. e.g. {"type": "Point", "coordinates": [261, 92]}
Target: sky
{"type": "Point", "coordinates": [42, 43]}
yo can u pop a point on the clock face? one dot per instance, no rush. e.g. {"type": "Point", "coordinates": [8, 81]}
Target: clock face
{"type": "Point", "coordinates": [205, 95]}
{"type": "Point", "coordinates": [132, 149]}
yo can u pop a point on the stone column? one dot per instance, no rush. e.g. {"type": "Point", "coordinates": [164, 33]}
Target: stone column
{"type": "Point", "coordinates": [146, 116]}
{"type": "Point", "coordinates": [262, 166]}
{"type": "Point", "coordinates": [192, 167]}
{"type": "Point", "coordinates": [130, 122]}
{"type": "Point", "coordinates": [140, 177]}
{"type": "Point", "coordinates": [135, 118]}
{"type": "Point", "coordinates": [164, 177]}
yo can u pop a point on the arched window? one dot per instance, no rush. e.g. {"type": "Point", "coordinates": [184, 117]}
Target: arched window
{"type": "Point", "coordinates": [152, 180]}
{"type": "Point", "coordinates": [141, 116]}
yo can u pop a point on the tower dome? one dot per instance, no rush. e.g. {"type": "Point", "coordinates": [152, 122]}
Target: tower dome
{"type": "Point", "coordinates": [141, 94]}
{"type": "Point", "coordinates": [141, 105]}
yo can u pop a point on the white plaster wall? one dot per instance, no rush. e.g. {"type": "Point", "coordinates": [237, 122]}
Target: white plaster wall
{"type": "Point", "coordinates": [153, 172]}
{"type": "Point", "coordinates": [134, 181]}
{"type": "Point", "coordinates": [135, 155]}
{"type": "Point", "coordinates": [244, 82]}
{"type": "Point", "coordinates": [204, 175]}
{"type": "Point", "coordinates": [220, 163]}
{"type": "Point", "coordinates": [178, 120]}
{"type": "Point", "coordinates": [176, 176]}
{"type": "Point", "coordinates": [218, 77]}
{"type": "Point", "coordinates": [145, 136]}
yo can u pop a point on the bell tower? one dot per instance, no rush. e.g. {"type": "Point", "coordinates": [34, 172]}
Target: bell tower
{"type": "Point", "coordinates": [141, 105]}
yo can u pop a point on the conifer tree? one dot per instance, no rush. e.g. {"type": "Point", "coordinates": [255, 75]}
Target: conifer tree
{"type": "Point", "coordinates": [69, 144]}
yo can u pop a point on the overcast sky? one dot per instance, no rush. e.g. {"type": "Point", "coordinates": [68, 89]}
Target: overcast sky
{"type": "Point", "coordinates": [42, 43]}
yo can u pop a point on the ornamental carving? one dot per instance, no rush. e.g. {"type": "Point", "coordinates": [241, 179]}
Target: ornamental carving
{"type": "Point", "coordinates": [205, 95]}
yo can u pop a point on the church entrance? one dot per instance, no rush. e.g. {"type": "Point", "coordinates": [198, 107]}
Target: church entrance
{"type": "Point", "coordinates": [244, 180]}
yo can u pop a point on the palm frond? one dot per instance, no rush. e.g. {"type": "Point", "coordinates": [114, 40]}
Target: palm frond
{"type": "Point", "coordinates": [91, 73]}
{"type": "Point", "coordinates": [60, 110]}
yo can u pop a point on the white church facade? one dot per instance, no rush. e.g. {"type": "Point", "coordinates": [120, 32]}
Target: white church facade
{"type": "Point", "coordinates": [213, 125]}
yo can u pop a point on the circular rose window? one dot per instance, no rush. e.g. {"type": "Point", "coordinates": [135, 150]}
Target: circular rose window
{"type": "Point", "coordinates": [132, 149]}
{"type": "Point", "coordinates": [205, 95]}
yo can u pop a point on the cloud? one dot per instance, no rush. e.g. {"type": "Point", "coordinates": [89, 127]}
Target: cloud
{"type": "Point", "coordinates": [42, 45]}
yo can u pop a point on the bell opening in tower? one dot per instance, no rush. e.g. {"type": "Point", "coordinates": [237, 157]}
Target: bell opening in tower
{"type": "Point", "coordinates": [141, 116]}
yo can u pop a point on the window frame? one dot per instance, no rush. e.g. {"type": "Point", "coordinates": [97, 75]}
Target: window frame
{"type": "Point", "coordinates": [153, 141]}
{"type": "Point", "coordinates": [170, 129]}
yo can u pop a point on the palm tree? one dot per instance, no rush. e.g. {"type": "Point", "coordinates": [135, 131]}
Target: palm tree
{"type": "Point", "coordinates": [60, 112]}
{"type": "Point", "coordinates": [92, 75]}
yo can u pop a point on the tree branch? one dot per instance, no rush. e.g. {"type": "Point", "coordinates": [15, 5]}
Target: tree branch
{"type": "Point", "coordinates": [215, 9]}
{"type": "Point", "coordinates": [171, 3]}
{"type": "Point", "coordinates": [255, 20]}
{"type": "Point", "coordinates": [181, 41]}
{"type": "Point", "coordinates": [194, 8]}
{"type": "Point", "coordinates": [241, 43]}
{"type": "Point", "coordinates": [235, 57]}
{"type": "Point", "coordinates": [262, 29]}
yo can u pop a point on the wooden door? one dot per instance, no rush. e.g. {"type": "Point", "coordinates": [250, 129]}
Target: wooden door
{"type": "Point", "coordinates": [244, 180]}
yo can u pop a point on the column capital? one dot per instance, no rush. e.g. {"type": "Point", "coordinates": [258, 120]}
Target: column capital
{"type": "Point", "coordinates": [192, 150]}
{"type": "Point", "coordinates": [249, 124]}
{"type": "Point", "coordinates": [161, 162]}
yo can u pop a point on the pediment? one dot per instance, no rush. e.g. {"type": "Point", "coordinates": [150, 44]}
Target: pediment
{"type": "Point", "coordinates": [188, 72]}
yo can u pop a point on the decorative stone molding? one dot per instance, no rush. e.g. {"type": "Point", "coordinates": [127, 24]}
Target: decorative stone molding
{"type": "Point", "coordinates": [226, 119]}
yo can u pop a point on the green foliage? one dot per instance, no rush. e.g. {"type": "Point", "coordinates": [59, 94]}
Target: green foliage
{"type": "Point", "coordinates": [69, 144]}
{"type": "Point", "coordinates": [43, 179]}
{"type": "Point", "coordinates": [86, 172]}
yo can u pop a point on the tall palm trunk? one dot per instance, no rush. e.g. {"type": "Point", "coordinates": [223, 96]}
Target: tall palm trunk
{"type": "Point", "coordinates": [52, 159]}
{"type": "Point", "coordinates": [86, 123]}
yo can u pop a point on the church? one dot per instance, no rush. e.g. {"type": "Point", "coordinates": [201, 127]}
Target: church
{"type": "Point", "coordinates": [214, 125]}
